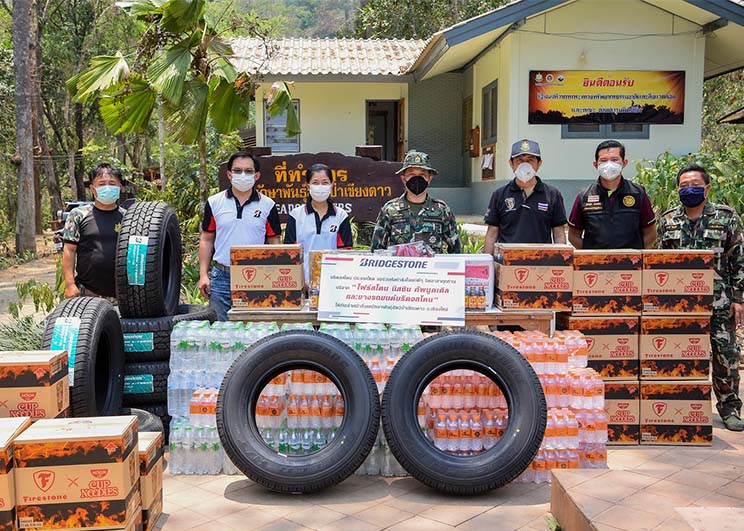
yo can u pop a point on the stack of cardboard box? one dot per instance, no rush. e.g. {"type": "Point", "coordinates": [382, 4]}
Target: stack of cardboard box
{"type": "Point", "coordinates": [80, 473]}
{"type": "Point", "coordinates": [263, 277]}
{"type": "Point", "coordinates": [10, 428]}
{"type": "Point", "coordinates": [34, 384]}
{"type": "Point", "coordinates": [150, 448]}
{"type": "Point", "coordinates": [645, 315]}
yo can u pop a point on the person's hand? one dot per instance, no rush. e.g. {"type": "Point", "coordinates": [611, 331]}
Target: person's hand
{"type": "Point", "coordinates": [737, 310]}
{"type": "Point", "coordinates": [205, 286]}
{"type": "Point", "coordinates": [72, 291]}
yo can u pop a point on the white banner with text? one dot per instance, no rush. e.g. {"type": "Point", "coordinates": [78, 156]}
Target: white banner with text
{"type": "Point", "coordinates": [392, 289]}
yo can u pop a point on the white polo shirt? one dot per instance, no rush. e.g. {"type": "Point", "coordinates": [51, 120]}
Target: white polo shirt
{"type": "Point", "coordinates": [235, 224]}
{"type": "Point", "coordinates": [305, 226]}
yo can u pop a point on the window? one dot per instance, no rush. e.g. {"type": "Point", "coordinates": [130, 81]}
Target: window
{"type": "Point", "coordinates": [604, 130]}
{"type": "Point", "coordinates": [490, 112]}
{"type": "Point", "coordinates": [275, 129]}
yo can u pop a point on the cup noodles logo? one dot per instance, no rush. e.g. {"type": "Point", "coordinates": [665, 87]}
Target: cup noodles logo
{"type": "Point", "coordinates": [661, 277]}
{"type": "Point", "coordinates": [623, 340]}
{"type": "Point", "coordinates": [696, 406]}
{"type": "Point", "coordinates": [249, 273]}
{"type": "Point", "coordinates": [285, 270]}
{"type": "Point", "coordinates": [623, 405]}
{"type": "Point", "coordinates": [99, 472]}
{"type": "Point", "coordinates": [591, 279]}
{"type": "Point", "coordinates": [557, 272]}
{"type": "Point", "coordinates": [626, 276]}
{"type": "Point", "coordinates": [99, 488]}
{"type": "Point", "coordinates": [522, 274]}
{"type": "Point", "coordinates": [44, 479]}
{"type": "Point", "coordinates": [694, 341]}
{"type": "Point", "coordinates": [659, 408]}
{"type": "Point", "coordinates": [698, 276]}
{"type": "Point", "coordinates": [659, 343]}
{"type": "Point", "coordinates": [27, 396]}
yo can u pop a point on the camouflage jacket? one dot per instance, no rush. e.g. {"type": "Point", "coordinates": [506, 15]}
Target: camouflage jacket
{"type": "Point", "coordinates": [718, 228]}
{"type": "Point", "coordinates": [435, 225]}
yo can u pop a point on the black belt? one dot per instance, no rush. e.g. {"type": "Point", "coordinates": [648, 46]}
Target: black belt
{"type": "Point", "coordinates": [221, 267]}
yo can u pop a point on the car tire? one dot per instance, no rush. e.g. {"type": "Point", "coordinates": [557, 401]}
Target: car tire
{"type": "Point", "coordinates": [242, 386]}
{"type": "Point", "coordinates": [145, 383]}
{"type": "Point", "coordinates": [492, 357]}
{"type": "Point", "coordinates": [146, 421]}
{"type": "Point", "coordinates": [148, 340]}
{"type": "Point", "coordinates": [148, 261]}
{"type": "Point", "coordinates": [89, 329]}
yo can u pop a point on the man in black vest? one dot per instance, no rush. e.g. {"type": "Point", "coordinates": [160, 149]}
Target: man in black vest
{"type": "Point", "coordinates": [612, 213]}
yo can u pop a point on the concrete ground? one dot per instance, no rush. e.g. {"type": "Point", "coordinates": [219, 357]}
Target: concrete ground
{"type": "Point", "coordinates": [670, 478]}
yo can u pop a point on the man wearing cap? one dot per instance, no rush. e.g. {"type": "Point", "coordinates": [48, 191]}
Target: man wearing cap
{"type": "Point", "coordinates": [415, 215]}
{"type": "Point", "coordinates": [89, 237]}
{"type": "Point", "coordinates": [526, 210]}
{"type": "Point", "coordinates": [612, 213]}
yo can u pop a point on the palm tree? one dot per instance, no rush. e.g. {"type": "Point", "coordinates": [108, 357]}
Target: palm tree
{"type": "Point", "coordinates": [184, 62]}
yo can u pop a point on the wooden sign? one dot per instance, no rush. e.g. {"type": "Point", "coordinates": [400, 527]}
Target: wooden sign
{"type": "Point", "coordinates": [363, 185]}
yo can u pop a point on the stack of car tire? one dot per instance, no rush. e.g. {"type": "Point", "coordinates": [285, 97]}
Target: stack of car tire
{"type": "Point", "coordinates": [121, 360]}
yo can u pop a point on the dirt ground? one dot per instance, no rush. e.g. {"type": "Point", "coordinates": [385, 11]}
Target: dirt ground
{"type": "Point", "coordinates": [42, 270]}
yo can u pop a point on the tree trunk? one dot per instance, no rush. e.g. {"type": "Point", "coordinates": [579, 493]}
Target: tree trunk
{"type": "Point", "coordinates": [161, 145]}
{"type": "Point", "coordinates": [203, 167]}
{"type": "Point", "coordinates": [22, 49]}
{"type": "Point", "coordinates": [79, 163]}
{"type": "Point", "coordinates": [34, 64]}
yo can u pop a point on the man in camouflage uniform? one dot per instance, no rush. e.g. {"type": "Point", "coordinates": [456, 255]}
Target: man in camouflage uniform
{"type": "Point", "coordinates": [698, 224]}
{"type": "Point", "coordinates": [415, 215]}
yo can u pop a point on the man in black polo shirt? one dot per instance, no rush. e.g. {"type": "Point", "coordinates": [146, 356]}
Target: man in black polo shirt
{"type": "Point", "coordinates": [526, 210]}
{"type": "Point", "coordinates": [612, 213]}
{"type": "Point", "coordinates": [89, 236]}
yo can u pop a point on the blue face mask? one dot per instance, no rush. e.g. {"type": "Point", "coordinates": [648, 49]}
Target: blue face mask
{"type": "Point", "coordinates": [692, 196]}
{"type": "Point", "coordinates": [108, 194]}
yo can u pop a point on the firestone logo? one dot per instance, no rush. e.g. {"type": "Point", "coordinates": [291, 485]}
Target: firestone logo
{"type": "Point", "coordinates": [591, 279]}
{"type": "Point", "coordinates": [522, 274]}
{"type": "Point", "coordinates": [589, 343]}
{"type": "Point", "coordinates": [44, 479]}
{"type": "Point", "coordinates": [661, 277]}
{"type": "Point", "coordinates": [659, 408]}
{"type": "Point", "coordinates": [249, 273]}
{"type": "Point", "coordinates": [660, 343]}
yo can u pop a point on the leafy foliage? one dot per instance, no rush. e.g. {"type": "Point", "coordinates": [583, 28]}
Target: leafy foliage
{"type": "Point", "coordinates": [21, 333]}
{"type": "Point", "coordinates": [471, 243]}
{"type": "Point", "coordinates": [725, 167]}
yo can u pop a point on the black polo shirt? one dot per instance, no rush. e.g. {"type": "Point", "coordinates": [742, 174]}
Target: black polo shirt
{"type": "Point", "coordinates": [522, 219]}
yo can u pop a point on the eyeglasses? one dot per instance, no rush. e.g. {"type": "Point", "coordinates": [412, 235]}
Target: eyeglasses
{"type": "Point", "coordinates": [243, 172]}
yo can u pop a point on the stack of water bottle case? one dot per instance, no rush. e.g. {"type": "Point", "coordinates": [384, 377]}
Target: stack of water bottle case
{"type": "Point", "coordinates": [460, 411]}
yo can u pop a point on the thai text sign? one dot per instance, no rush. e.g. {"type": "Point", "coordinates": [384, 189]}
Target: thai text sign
{"type": "Point", "coordinates": [606, 96]}
{"type": "Point", "coordinates": [362, 185]}
{"type": "Point", "coordinates": [392, 289]}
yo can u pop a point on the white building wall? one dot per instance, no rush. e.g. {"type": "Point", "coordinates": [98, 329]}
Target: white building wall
{"type": "Point", "coordinates": [577, 37]}
{"type": "Point", "coordinates": [332, 115]}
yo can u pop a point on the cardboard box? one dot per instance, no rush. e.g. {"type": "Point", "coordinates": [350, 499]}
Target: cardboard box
{"type": "Point", "coordinates": [10, 428]}
{"type": "Point", "coordinates": [479, 280]}
{"type": "Point", "coordinates": [623, 405]}
{"type": "Point", "coordinates": [34, 384]}
{"type": "Point", "coordinates": [80, 473]}
{"type": "Point", "coordinates": [676, 413]}
{"type": "Point", "coordinates": [612, 342]}
{"type": "Point", "coordinates": [534, 276]}
{"type": "Point", "coordinates": [150, 449]}
{"type": "Point", "coordinates": [316, 266]}
{"type": "Point", "coordinates": [675, 348]}
{"type": "Point", "coordinates": [677, 281]}
{"type": "Point", "coordinates": [266, 276]}
{"type": "Point", "coordinates": [607, 281]}
{"type": "Point", "coordinates": [135, 523]}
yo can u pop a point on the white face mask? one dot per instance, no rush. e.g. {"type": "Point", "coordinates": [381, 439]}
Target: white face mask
{"type": "Point", "coordinates": [320, 192]}
{"type": "Point", "coordinates": [610, 170]}
{"type": "Point", "coordinates": [524, 172]}
{"type": "Point", "coordinates": [243, 182]}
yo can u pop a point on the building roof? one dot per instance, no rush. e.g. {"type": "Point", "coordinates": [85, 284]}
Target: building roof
{"type": "Point", "coordinates": [305, 57]}
{"type": "Point", "coordinates": [735, 117]}
{"type": "Point", "coordinates": [459, 46]}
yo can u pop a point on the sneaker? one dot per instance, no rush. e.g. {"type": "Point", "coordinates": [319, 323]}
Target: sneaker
{"type": "Point", "coordinates": [733, 422]}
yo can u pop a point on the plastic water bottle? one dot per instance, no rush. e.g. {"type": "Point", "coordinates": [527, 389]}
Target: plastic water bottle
{"type": "Point", "coordinates": [217, 452]}
{"type": "Point", "coordinates": [189, 457]}
{"type": "Point", "coordinates": [295, 444]}
{"type": "Point", "coordinates": [440, 437]}
{"type": "Point", "coordinates": [175, 448]}
{"type": "Point", "coordinates": [453, 434]}
{"type": "Point", "coordinates": [307, 441]}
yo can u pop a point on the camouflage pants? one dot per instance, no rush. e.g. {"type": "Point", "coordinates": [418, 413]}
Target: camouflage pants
{"type": "Point", "coordinates": [725, 362]}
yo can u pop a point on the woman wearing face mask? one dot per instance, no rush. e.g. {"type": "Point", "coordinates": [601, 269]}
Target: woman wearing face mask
{"type": "Point", "coordinates": [526, 210]}
{"type": "Point", "coordinates": [612, 213]}
{"type": "Point", "coordinates": [318, 224]}
{"type": "Point", "coordinates": [415, 215]}
{"type": "Point", "coordinates": [89, 237]}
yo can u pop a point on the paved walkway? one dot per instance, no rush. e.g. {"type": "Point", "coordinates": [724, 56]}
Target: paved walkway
{"type": "Point", "coordinates": [703, 477]}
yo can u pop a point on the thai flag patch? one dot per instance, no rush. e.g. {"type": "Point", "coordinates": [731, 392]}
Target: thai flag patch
{"type": "Point", "coordinates": [542, 206]}
{"type": "Point", "coordinates": [592, 199]}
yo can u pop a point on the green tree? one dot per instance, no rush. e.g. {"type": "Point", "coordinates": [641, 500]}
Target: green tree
{"type": "Point", "coordinates": [184, 60]}
{"type": "Point", "coordinates": [392, 19]}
